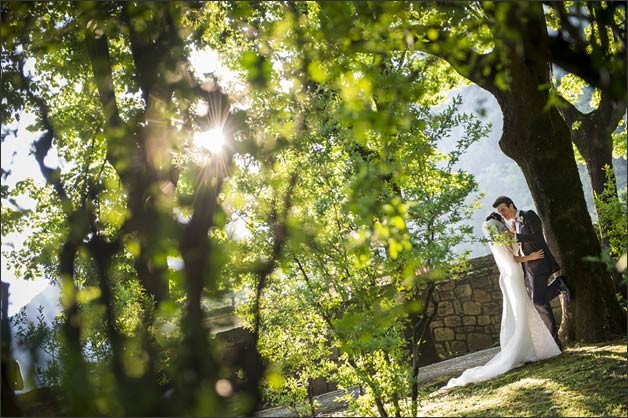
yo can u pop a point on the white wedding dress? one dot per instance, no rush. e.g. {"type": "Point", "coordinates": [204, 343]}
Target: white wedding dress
{"type": "Point", "coordinates": [523, 336]}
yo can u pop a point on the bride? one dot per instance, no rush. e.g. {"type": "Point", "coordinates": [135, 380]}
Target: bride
{"type": "Point", "coordinates": [523, 336]}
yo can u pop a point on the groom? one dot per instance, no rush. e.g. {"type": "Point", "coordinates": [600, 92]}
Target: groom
{"type": "Point", "coordinates": [528, 230]}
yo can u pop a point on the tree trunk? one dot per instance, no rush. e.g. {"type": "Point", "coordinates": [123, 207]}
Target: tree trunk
{"type": "Point", "coordinates": [123, 146]}
{"type": "Point", "coordinates": [538, 139]}
{"type": "Point", "coordinates": [593, 138]}
{"type": "Point", "coordinates": [552, 176]}
{"type": "Point", "coordinates": [9, 404]}
{"type": "Point", "coordinates": [599, 155]}
{"type": "Point", "coordinates": [566, 331]}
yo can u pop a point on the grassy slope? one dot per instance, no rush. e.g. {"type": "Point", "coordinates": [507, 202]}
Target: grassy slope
{"type": "Point", "coordinates": [585, 380]}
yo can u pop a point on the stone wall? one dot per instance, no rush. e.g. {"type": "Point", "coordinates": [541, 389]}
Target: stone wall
{"type": "Point", "coordinates": [469, 310]}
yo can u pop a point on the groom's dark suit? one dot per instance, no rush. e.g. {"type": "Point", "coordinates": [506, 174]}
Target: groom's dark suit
{"type": "Point", "coordinates": [530, 237]}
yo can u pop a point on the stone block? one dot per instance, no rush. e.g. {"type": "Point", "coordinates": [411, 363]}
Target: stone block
{"type": "Point", "coordinates": [471, 308]}
{"type": "Point", "coordinates": [481, 283]}
{"type": "Point", "coordinates": [477, 341]}
{"type": "Point", "coordinates": [469, 320]}
{"type": "Point", "coordinates": [319, 386]}
{"type": "Point", "coordinates": [489, 329]}
{"type": "Point", "coordinates": [463, 291]}
{"type": "Point", "coordinates": [481, 296]}
{"type": "Point", "coordinates": [447, 286]}
{"type": "Point", "coordinates": [447, 295]}
{"type": "Point", "coordinates": [445, 308]}
{"type": "Point", "coordinates": [459, 347]}
{"type": "Point", "coordinates": [466, 329]}
{"type": "Point", "coordinates": [491, 308]}
{"type": "Point", "coordinates": [452, 321]}
{"type": "Point", "coordinates": [436, 324]}
{"type": "Point", "coordinates": [484, 320]}
{"type": "Point", "coordinates": [443, 334]}
{"type": "Point", "coordinates": [457, 307]}
{"type": "Point", "coordinates": [440, 349]}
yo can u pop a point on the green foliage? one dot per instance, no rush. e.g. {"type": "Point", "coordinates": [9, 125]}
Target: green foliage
{"type": "Point", "coordinates": [39, 338]}
{"type": "Point", "coordinates": [499, 235]}
{"type": "Point", "coordinates": [329, 209]}
{"type": "Point", "coordinates": [369, 207]}
{"type": "Point", "coordinates": [610, 207]}
{"type": "Point", "coordinates": [372, 206]}
{"type": "Point", "coordinates": [620, 140]}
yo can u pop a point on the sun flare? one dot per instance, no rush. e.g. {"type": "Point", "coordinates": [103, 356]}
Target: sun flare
{"type": "Point", "coordinates": [212, 140]}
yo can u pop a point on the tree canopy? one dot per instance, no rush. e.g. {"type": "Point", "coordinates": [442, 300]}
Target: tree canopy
{"type": "Point", "coordinates": [322, 195]}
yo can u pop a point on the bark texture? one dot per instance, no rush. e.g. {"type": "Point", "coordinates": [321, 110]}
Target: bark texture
{"type": "Point", "coordinates": [537, 138]}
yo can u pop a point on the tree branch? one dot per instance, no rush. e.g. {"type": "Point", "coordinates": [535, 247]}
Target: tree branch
{"type": "Point", "coordinates": [79, 404]}
{"type": "Point", "coordinates": [566, 22]}
{"type": "Point", "coordinates": [601, 68]}
{"type": "Point", "coordinates": [570, 112]}
{"type": "Point", "coordinates": [478, 68]}
{"type": "Point", "coordinates": [115, 130]}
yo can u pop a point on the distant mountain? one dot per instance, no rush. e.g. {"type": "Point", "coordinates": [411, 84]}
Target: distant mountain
{"type": "Point", "coordinates": [49, 300]}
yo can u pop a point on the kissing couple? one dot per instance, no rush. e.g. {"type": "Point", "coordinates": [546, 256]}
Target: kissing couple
{"type": "Point", "coordinates": [528, 329]}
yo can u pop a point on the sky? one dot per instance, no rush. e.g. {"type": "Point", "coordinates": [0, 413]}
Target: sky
{"type": "Point", "coordinates": [16, 158]}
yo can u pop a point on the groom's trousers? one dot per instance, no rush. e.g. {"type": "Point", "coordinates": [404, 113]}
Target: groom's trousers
{"type": "Point", "coordinates": [541, 295]}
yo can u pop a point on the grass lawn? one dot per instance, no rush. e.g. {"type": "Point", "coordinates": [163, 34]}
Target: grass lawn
{"type": "Point", "coordinates": [585, 380]}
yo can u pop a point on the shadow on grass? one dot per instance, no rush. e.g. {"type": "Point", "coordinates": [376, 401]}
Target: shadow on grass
{"type": "Point", "coordinates": [528, 400]}
{"type": "Point", "coordinates": [588, 381]}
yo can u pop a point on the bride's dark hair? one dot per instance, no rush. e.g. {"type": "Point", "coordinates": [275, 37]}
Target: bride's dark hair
{"type": "Point", "coordinates": [496, 216]}
{"type": "Point", "coordinates": [491, 228]}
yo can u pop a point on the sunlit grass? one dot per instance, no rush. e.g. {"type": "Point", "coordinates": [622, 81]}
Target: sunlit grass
{"type": "Point", "coordinates": [590, 380]}
{"type": "Point", "coordinates": [585, 380]}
